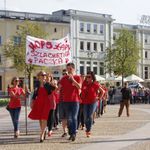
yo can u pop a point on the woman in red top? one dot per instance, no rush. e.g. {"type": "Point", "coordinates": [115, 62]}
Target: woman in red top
{"type": "Point", "coordinates": [90, 90]}
{"type": "Point", "coordinates": [14, 104]}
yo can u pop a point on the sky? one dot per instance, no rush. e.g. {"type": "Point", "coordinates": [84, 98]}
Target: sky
{"type": "Point", "coordinates": [123, 11]}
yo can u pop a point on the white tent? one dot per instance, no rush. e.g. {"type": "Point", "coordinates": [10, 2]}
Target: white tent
{"type": "Point", "coordinates": [112, 78]}
{"type": "Point", "coordinates": [134, 78]}
{"type": "Point", "coordinates": [119, 78]}
{"type": "Point", "coordinates": [99, 78]}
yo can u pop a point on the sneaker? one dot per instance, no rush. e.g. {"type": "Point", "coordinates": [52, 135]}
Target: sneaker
{"type": "Point", "coordinates": [50, 133]}
{"type": "Point", "coordinates": [64, 134]}
{"type": "Point", "coordinates": [88, 134]}
{"type": "Point", "coordinates": [73, 137]}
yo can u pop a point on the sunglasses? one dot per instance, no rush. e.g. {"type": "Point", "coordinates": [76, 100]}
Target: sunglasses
{"type": "Point", "coordinates": [43, 75]}
{"type": "Point", "coordinates": [88, 76]}
{"type": "Point", "coordinates": [16, 80]}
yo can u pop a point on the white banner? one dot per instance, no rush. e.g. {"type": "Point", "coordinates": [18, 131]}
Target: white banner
{"type": "Point", "coordinates": [48, 53]}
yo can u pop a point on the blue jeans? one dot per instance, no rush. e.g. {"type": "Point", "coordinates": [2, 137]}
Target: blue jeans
{"type": "Point", "coordinates": [72, 109]}
{"type": "Point", "coordinates": [88, 110]}
{"type": "Point", "coordinates": [15, 113]}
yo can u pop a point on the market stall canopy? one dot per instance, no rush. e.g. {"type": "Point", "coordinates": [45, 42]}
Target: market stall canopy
{"type": "Point", "coordinates": [115, 79]}
{"type": "Point", "coordinates": [99, 78]}
{"type": "Point", "coordinates": [133, 77]}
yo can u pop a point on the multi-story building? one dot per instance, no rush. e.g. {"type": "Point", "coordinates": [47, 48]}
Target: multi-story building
{"type": "Point", "coordinates": [91, 34]}
{"type": "Point", "coordinates": [142, 34]}
{"type": "Point", "coordinates": [9, 24]}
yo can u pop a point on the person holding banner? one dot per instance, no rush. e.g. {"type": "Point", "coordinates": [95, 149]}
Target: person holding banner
{"type": "Point", "coordinates": [40, 104]}
{"type": "Point", "coordinates": [71, 85]}
{"type": "Point", "coordinates": [14, 105]}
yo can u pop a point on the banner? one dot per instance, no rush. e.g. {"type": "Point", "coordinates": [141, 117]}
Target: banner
{"type": "Point", "coordinates": [48, 53]}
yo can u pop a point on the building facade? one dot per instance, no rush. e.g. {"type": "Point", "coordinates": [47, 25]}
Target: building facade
{"type": "Point", "coordinates": [90, 33]}
{"type": "Point", "coordinates": [9, 24]}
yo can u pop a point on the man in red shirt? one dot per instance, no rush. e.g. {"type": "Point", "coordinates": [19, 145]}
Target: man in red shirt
{"type": "Point", "coordinates": [71, 85]}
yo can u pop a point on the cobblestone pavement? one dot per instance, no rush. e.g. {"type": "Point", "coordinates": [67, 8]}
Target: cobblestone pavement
{"type": "Point", "coordinates": [106, 128]}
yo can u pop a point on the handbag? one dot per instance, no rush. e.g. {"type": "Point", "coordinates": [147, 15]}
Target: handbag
{"type": "Point", "coordinates": [7, 108]}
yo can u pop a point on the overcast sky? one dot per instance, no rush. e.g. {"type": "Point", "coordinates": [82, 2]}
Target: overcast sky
{"type": "Point", "coordinates": [124, 11]}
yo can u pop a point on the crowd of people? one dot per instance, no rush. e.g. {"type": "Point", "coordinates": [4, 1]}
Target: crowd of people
{"type": "Point", "coordinates": [73, 101]}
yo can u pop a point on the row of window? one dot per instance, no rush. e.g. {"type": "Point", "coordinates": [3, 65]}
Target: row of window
{"type": "Point", "coordinates": [94, 67]}
{"type": "Point", "coordinates": [91, 46]}
{"type": "Point", "coordinates": [92, 28]}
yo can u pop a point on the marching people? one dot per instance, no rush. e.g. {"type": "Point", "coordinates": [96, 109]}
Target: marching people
{"type": "Point", "coordinates": [40, 104]}
{"type": "Point", "coordinates": [62, 109]}
{"type": "Point", "coordinates": [14, 105]}
{"type": "Point", "coordinates": [50, 121]}
{"type": "Point", "coordinates": [126, 95]}
{"type": "Point", "coordinates": [71, 85]}
{"type": "Point", "coordinates": [90, 91]}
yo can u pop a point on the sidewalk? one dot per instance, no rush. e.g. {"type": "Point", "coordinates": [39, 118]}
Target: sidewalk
{"type": "Point", "coordinates": [109, 133]}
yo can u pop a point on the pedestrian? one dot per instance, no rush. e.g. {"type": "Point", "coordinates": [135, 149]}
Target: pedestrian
{"type": "Point", "coordinates": [52, 100]}
{"type": "Point", "coordinates": [62, 109]}
{"type": "Point", "coordinates": [71, 85]}
{"type": "Point", "coordinates": [40, 103]}
{"type": "Point", "coordinates": [126, 95]}
{"type": "Point", "coordinates": [14, 105]}
{"type": "Point", "coordinates": [91, 89]}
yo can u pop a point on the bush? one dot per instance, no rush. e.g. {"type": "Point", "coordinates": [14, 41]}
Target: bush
{"type": "Point", "coordinates": [3, 102]}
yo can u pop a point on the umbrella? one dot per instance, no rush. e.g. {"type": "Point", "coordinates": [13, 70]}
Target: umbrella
{"type": "Point", "coordinates": [99, 78]}
{"type": "Point", "coordinates": [134, 78]}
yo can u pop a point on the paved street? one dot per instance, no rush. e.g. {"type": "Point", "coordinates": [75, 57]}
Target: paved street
{"type": "Point", "coordinates": [109, 132]}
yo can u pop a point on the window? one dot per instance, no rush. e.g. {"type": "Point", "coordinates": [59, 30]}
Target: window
{"type": "Point", "coordinates": [55, 29]}
{"type": "Point", "coordinates": [95, 28]}
{"type": "Point", "coordinates": [146, 72]}
{"type": "Point", "coordinates": [146, 54]}
{"type": "Point", "coordinates": [101, 69]}
{"type": "Point", "coordinates": [95, 46]}
{"type": "Point", "coordinates": [81, 27]}
{"type": "Point", "coordinates": [101, 47]}
{"type": "Point", "coordinates": [81, 45]}
{"type": "Point", "coordinates": [95, 70]}
{"type": "Point", "coordinates": [0, 83]}
{"type": "Point", "coordinates": [114, 37]}
{"type": "Point", "coordinates": [88, 27]}
{"type": "Point", "coordinates": [146, 39]}
{"type": "Point", "coordinates": [101, 28]}
{"type": "Point", "coordinates": [95, 67]}
{"type": "Point", "coordinates": [88, 46]}
{"type": "Point", "coordinates": [81, 69]}
{"type": "Point", "coordinates": [0, 40]}
{"type": "Point", "coordinates": [17, 40]}
{"type": "Point", "coordinates": [88, 68]}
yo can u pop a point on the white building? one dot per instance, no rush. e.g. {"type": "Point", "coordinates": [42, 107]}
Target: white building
{"type": "Point", "coordinates": [91, 33]}
{"type": "Point", "coordinates": [142, 34]}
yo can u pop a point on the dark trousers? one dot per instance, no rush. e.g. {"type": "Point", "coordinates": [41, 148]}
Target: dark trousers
{"type": "Point", "coordinates": [80, 117]}
{"type": "Point", "coordinates": [123, 103]}
{"type": "Point", "coordinates": [88, 111]}
{"type": "Point", "coordinates": [50, 121]}
{"type": "Point", "coordinates": [72, 115]}
{"type": "Point", "coordinates": [15, 113]}
{"type": "Point", "coordinates": [56, 116]}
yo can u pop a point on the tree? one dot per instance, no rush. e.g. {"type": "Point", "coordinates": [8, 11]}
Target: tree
{"type": "Point", "coordinates": [123, 57]}
{"type": "Point", "coordinates": [15, 48]}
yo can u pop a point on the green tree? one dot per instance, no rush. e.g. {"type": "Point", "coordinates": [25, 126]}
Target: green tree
{"type": "Point", "coordinates": [15, 48]}
{"type": "Point", "coordinates": [122, 58]}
